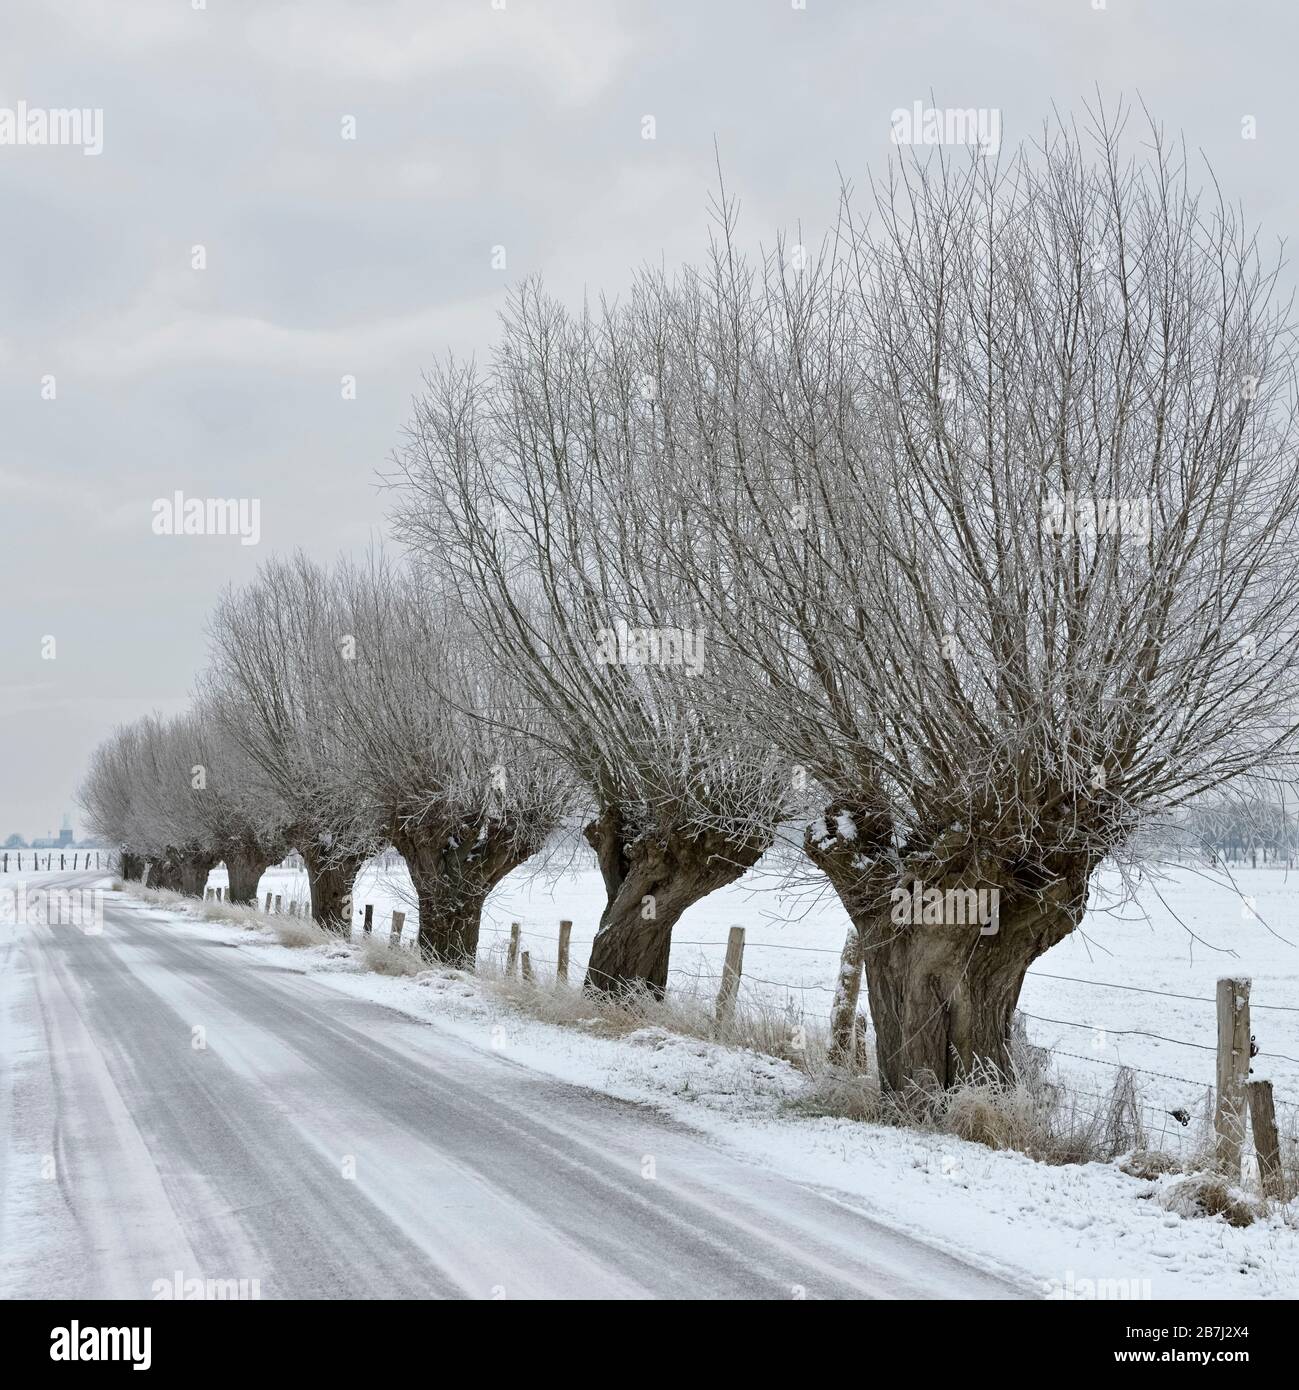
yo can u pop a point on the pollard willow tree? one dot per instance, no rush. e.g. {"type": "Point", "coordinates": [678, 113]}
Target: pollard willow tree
{"type": "Point", "coordinates": [109, 795]}
{"type": "Point", "coordinates": [1019, 500]}
{"type": "Point", "coordinates": [138, 757]}
{"type": "Point", "coordinates": [172, 794]}
{"type": "Point", "coordinates": [214, 793]}
{"type": "Point", "coordinates": [537, 488]}
{"type": "Point", "coordinates": [277, 648]}
{"type": "Point", "coordinates": [180, 820]}
{"type": "Point", "coordinates": [446, 758]}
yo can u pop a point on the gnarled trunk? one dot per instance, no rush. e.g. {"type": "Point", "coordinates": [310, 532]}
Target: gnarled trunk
{"type": "Point", "coordinates": [650, 882]}
{"type": "Point", "coordinates": [942, 996]}
{"type": "Point", "coordinates": [194, 869]}
{"type": "Point", "coordinates": [454, 869]}
{"type": "Point", "coordinates": [944, 954]}
{"type": "Point", "coordinates": [245, 868]}
{"type": "Point", "coordinates": [162, 873]}
{"type": "Point", "coordinates": [130, 866]}
{"type": "Point", "coordinates": [331, 877]}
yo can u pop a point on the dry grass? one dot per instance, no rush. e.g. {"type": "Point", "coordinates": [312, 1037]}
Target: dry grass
{"type": "Point", "coordinates": [845, 1094]}
{"type": "Point", "coordinates": [1208, 1194]}
{"type": "Point", "coordinates": [688, 1012]}
{"type": "Point", "coordinates": [1148, 1164]}
{"type": "Point", "coordinates": [378, 955]}
{"type": "Point", "coordinates": [237, 914]}
{"type": "Point", "coordinates": [287, 930]}
{"type": "Point", "coordinates": [160, 897]}
{"type": "Point", "coordinates": [298, 932]}
{"type": "Point", "coordinates": [1021, 1110]}
{"type": "Point", "coordinates": [1287, 1120]}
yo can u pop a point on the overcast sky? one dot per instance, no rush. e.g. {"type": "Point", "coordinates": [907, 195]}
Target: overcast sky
{"type": "Point", "coordinates": [475, 127]}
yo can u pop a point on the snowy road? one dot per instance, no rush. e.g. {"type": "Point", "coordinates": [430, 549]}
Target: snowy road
{"type": "Point", "coordinates": [170, 1105]}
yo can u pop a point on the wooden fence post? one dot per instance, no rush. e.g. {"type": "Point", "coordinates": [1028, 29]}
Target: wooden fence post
{"type": "Point", "coordinates": [268, 904]}
{"type": "Point", "coordinates": [514, 948]}
{"type": "Point", "coordinates": [1267, 1144]}
{"type": "Point", "coordinates": [561, 964]}
{"type": "Point", "coordinates": [394, 932]}
{"type": "Point", "coordinates": [279, 902]}
{"type": "Point", "coordinates": [731, 970]}
{"type": "Point", "coordinates": [1233, 1071]}
{"type": "Point", "coordinates": [6, 863]}
{"type": "Point", "coordinates": [847, 991]}
{"type": "Point", "coordinates": [368, 925]}
{"type": "Point", "coordinates": [526, 961]}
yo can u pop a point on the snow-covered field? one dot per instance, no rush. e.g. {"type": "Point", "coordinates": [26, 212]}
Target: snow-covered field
{"type": "Point", "coordinates": [1133, 987]}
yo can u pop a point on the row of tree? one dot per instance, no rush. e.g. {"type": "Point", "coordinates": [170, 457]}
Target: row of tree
{"type": "Point", "coordinates": [964, 543]}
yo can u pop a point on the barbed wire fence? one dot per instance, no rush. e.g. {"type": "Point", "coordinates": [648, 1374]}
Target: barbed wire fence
{"type": "Point", "coordinates": [1177, 1110]}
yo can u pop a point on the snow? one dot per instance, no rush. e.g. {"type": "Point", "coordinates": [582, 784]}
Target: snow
{"type": "Point", "coordinates": [1180, 934]}
{"type": "Point", "coordinates": [1061, 1226]}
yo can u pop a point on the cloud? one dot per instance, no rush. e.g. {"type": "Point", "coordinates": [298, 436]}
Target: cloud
{"type": "Point", "coordinates": [161, 332]}
{"type": "Point", "coordinates": [574, 49]}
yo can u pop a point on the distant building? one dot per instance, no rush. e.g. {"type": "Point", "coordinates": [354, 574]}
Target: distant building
{"type": "Point", "coordinates": [65, 834]}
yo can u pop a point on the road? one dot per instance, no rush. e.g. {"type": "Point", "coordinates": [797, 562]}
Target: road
{"type": "Point", "coordinates": [171, 1105]}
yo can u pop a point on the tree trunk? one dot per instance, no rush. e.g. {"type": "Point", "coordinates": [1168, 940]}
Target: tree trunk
{"type": "Point", "coordinates": [454, 868]}
{"type": "Point", "coordinates": [843, 1014]}
{"type": "Point", "coordinates": [942, 998]}
{"type": "Point", "coordinates": [331, 878]}
{"type": "Point", "coordinates": [245, 869]}
{"type": "Point", "coordinates": [162, 873]}
{"type": "Point", "coordinates": [650, 882]}
{"type": "Point", "coordinates": [942, 988]}
{"type": "Point", "coordinates": [130, 866]}
{"type": "Point", "coordinates": [194, 869]}
{"type": "Point", "coordinates": [449, 924]}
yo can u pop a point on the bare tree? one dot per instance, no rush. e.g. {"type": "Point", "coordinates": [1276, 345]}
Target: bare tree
{"type": "Point", "coordinates": [537, 489]}
{"type": "Point", "coordinates": [129, 797]}
{"type": "Point", "coordinates": [444, 756]}
{"type": "Point", "coordinates": [276, 650]}
{"type": "Point", "coordinates": [107, 795]}
{"type": "Point", "coordinates": [1029, 440]}
{"type": "Point", "coordinates": [214, 794]}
